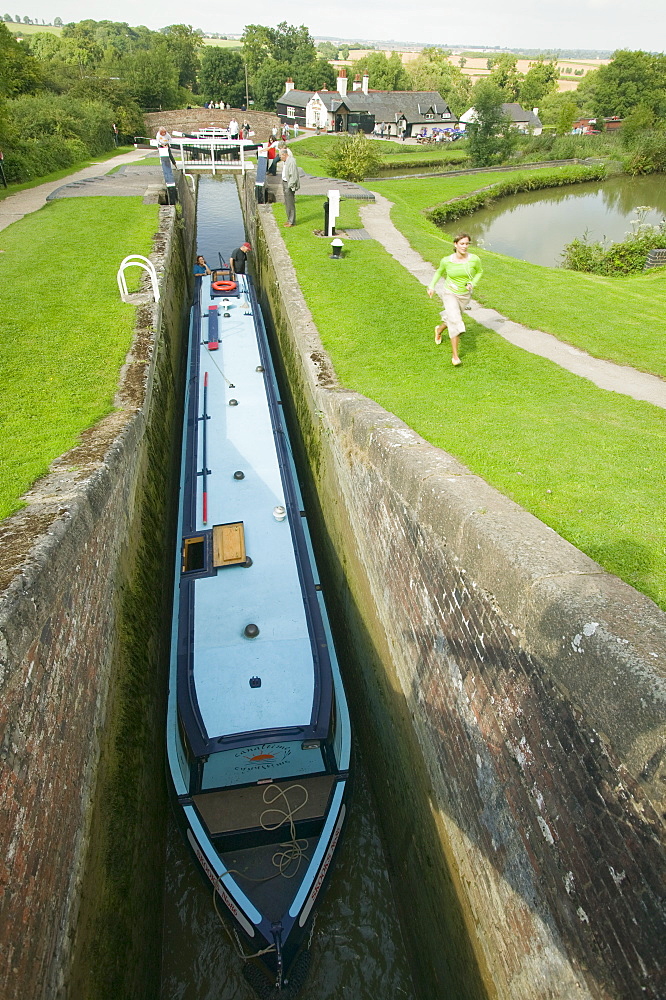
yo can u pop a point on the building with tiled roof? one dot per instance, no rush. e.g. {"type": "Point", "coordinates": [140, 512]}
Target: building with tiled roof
{"type": "Point", "coordinates": [361, 109]}
{"type": "Point", "coordinates": [524, 121]}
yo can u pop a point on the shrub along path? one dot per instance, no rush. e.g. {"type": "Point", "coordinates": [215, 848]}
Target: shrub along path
{"type": "Point", "coordinates": [616, 378]}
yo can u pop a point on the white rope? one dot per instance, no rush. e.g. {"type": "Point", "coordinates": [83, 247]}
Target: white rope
{"type": "Point", "coordinates": [294, 849]}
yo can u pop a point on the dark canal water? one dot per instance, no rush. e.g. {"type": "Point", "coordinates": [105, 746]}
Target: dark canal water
{"type": "Point", "coordinates": [537, 225]}
{"type": "Point", "coordinates": [357, 948]}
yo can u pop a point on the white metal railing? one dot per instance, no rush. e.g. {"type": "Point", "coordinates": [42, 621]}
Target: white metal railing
{"type": "Point", "coordinates": [203, 149]}
{"type": "Point", "coordinates": [137, 260]}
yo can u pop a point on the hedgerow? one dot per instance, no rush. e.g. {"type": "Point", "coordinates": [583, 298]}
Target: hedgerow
{"type": "Point", "coordinates": [443, 214]}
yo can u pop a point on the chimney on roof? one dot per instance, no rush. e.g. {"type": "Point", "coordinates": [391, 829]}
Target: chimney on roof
{"type": "Point", "coordinates": [535, 112]}
{"type": "Point", "coordinates": [357, 82]}
{"type": "Point", "coordinates": [289, 85]}
{"type": "Point", "coordinates": [364, 85]}
{"type": "Point", "coordinates": [342, 82]}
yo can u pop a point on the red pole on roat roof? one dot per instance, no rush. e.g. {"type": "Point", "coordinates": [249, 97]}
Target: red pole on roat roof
{"type": "Point", "coordinates": [205, 459]}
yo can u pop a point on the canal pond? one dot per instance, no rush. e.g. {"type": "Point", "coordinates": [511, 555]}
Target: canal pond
{"type": "Point", "coordinates": [537, 225]}
{"type": "Point", "coordinates": [357, 947]}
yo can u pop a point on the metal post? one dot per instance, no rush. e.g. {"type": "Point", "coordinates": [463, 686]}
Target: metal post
{"type": "Point", "coordinates": [212, 154]}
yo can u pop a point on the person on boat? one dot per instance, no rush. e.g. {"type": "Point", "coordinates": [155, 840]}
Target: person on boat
{"type": "Point", "coordinates": [200, 266]}
{"type": "Point", "coordinates": [462, 271]}
{"type": "Point", "coordinates": [290, 184]}
{"type": "Point", "coordinates": [238, 259]}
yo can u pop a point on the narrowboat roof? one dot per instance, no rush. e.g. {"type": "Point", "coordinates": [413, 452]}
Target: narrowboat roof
{"type": "Point", "coordinates": [233, 686]}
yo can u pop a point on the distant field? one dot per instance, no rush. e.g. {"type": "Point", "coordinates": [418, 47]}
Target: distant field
{"type": "Point", "coordinates": [31, 29]}
{"type": "Point", "coordinates": [224, 43]}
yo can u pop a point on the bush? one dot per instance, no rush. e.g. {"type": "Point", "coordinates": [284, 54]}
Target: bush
{"type": "Point", "coordinates": [626, 257]}
{"type": "Point", "coordinates": [353, 158]}
{"type": "Point", "coordinates": [50, 132]}
{"type": "Point", "coordinates": [514, 185]}
{"type": "Point", "coordinates": [648, 155]}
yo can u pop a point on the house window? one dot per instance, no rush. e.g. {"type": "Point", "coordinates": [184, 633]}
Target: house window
{"type": "Point", "coordinates": [428, 117]}
{"type": "Point", "coordinates": [291, 112]}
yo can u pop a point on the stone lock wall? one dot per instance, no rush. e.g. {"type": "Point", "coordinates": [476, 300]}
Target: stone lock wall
{"type": "Point", "coordinates": [81, 663]}
{"type": "Point", "coordinates": [509, 700]}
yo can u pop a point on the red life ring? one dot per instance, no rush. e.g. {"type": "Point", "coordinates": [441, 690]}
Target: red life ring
{"type": "Point", "coordinates": [223, 286]}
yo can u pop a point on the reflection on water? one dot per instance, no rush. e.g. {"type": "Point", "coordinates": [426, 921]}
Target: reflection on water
{"type": "Point", "coordinates": [219, 220]}
{"type": "Point", "coordinates": [357, 948]}
{"type": "Point", "coordinates": [536, 225]}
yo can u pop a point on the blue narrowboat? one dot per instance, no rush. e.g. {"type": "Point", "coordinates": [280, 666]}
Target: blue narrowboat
{"type": "Point", "coordinates": [258, 731]}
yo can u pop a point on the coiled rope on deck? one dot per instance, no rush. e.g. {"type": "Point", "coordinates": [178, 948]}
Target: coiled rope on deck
{"type": "Point", "coordinates": [294, 849]}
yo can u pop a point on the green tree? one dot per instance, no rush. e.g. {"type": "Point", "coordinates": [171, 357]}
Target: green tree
{"type": "Point", "coordinates": [268, 84]}
{"type": "Point", "coordinates": [311, 75]}
{"type": "Point", "coordinates": [540, 79]}
{"type": "Point", "coordinates": [630, 80]}
{"type": "Point", "coordinates": [256, 46]}
{"type": "Point", "coordinates": [19, 70]}
{"type": "Point", "coordinates": [115, 95]}
{"type": "Point", "coordinates": [152, 78]}
{"type": "Point", "coordinates": [504, 75]}
{"type": "Point", "coordinates": [327, 50]}
{"type": "Point", "coordinates": [567, 116]}
{"type": "Point", "coordinates": [282, 44]}
{"type": "Point", "coordinates": [222, 76]}
{"type": "Point", "coordinates": [183, 44]}
{"type": "Point", "coordinates": [636, 124]}
{"type": "Point", "coordinates": [384, 72]}
{"type": "Point", "coordinates": [84, 48]}
{"type": "Point", "coordinates": [492, 137]}
{"type": "Point", "coordinates": [288, 42]}
{"type": "Point", "coordinates": [433, 71]}
{"type": "Point", "coordinates": [353, 158]}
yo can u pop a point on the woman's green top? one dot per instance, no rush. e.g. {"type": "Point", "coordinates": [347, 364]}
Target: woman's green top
{"type": "Point", "coordinates": [459, 273]}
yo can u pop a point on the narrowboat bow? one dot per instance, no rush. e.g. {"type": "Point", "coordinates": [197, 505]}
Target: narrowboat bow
{"type": "Point", "coordinates": [258, 729]}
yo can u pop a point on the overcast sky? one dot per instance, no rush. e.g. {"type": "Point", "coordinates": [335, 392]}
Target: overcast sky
{"type": "Point", "coordinates": [550, 24]}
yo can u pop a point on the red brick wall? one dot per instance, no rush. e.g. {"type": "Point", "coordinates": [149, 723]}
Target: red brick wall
{"type": "Point", "coordinates": [68, 560]}
{"type": "Point", "coordinates": [190, 119]}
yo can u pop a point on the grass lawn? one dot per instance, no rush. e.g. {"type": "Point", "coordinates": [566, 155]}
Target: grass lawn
{"type": "Point", "coordinates": [65, 332]}
{"type": "Point", "coordinates": [311, 154]}
{"type": "Point", "coordinates": [620, 319]}
{"type": "Point", "coordinates": [589, 463]}
{"type": "Point", "coordinates": [65, 172]}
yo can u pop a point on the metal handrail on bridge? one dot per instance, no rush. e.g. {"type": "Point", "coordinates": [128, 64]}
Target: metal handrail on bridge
{"type": "Point", "coordinates": [207, 146]}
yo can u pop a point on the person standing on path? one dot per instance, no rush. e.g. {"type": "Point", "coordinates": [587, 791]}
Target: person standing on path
{"type": "Point", "coordinates": [272, 154]}
{"type": "Point", "coordinates": [463, 271]}
{"type": "Point", "coordinates": [290, 184]}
